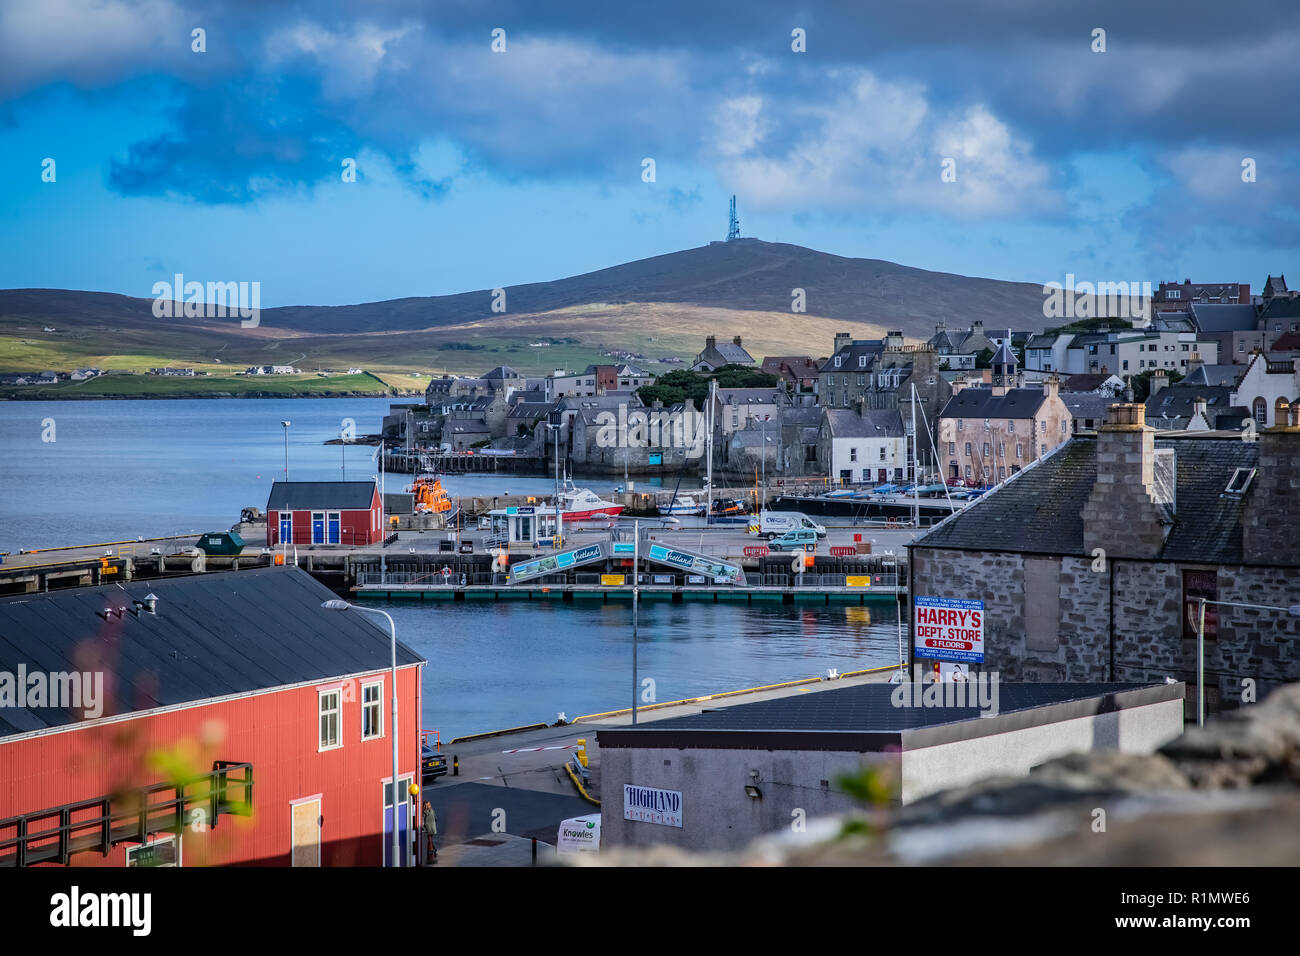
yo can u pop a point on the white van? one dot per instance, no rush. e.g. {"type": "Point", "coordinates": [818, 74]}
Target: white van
{"type": "Point", "coordinates": [773, 524]}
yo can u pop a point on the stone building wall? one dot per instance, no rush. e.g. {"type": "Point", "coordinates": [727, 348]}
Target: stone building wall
{"type": "Point", "coordinates": [1048, 618]}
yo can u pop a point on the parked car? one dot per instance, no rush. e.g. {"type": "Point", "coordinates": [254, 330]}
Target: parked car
{"type": "Point", "coordinates": [797, 540]}
{"type": "Point", "coordinates": [433, 763]}
{"type": "Point", "coordinates": [773, 524]}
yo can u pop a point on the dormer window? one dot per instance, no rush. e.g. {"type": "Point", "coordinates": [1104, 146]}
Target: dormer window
{"type": "Point", "coordinates": [839, 360]}
{"type": "Point", "coordinates": [862, 361]}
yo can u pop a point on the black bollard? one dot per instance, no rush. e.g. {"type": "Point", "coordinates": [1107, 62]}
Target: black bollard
{"type": "Point", "coordinates": [534, 851]}
{"type": "Point", "coordinates": [455, 765]}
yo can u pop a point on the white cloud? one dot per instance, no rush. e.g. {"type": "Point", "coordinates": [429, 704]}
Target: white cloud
{"type": "Point", "coordinates": [90, 42]}
{"type": "Point", "coordinates": [877, 146]}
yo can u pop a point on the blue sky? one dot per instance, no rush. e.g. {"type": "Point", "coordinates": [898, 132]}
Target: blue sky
{"type": "Point", "coordinates": [479, 169]}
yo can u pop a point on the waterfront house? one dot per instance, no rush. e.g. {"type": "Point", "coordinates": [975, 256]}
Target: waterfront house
{"type": "Point", "coordinates": [867, 446]}
{"type": "Point", "coordinates": [342, 513]}
{"type": "Point", "coordinates": [987, 434]}
{"type": "Point", "coordinates": [1090, 564]}
{"type": "Point", "coordinates": [234, 693]}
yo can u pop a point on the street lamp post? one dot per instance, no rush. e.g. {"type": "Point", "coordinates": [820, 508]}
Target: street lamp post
{"type": "Point", "coordinates": [337, 604]}
{"type": "Point", "coordinates": [286, 425]}
{"type": "Point", "coordinates": [1293, 610]}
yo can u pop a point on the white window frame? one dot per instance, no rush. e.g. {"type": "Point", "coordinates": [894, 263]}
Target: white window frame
{"type": "Point", "coordinates": [378, 705]}
{"type": "Point", "coordinates": [321, 746]}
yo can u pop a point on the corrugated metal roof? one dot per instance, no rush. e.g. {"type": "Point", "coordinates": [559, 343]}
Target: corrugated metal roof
{"type": "Point", "coordinates": [214, 635]}
{"type": "Point", "coordinates": [322, 495]}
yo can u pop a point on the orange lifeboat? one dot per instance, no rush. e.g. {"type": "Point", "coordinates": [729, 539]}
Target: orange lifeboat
{"type": "Point", "coordinates": [430, 496]}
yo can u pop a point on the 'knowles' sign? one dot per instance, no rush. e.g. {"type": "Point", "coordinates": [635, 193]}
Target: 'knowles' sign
{"type": "Point", "coordinates": [652, 805]}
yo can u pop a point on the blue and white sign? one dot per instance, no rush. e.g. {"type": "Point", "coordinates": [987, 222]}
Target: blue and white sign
{"type": "Point", "coordinates": [652, 805]}
{"type": "Point", "coordinates": [947, 629]}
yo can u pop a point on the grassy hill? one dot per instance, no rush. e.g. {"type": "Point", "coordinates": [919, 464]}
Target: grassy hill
{"type": "Point", "coordinates": [662, 306]}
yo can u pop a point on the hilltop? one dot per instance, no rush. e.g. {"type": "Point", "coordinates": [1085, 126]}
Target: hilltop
{"type": "Point", "coordinates": [663, 305]}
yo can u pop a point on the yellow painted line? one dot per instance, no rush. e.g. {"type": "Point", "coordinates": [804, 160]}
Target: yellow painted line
{"type": "Point", "coordinates": [496, 733]}
{"type": "Point", "coordinates": [578, 783]}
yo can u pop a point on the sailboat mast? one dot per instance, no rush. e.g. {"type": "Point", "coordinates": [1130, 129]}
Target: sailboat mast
{"type": "Point", "coordinates": [708, 511]}
{"type": "Point", "coordinates": [916, 476]}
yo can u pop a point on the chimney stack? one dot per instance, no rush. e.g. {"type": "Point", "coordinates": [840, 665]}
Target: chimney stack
{"type": "Point", "coordinates": [736, 340]}
{"type": "Point", "coordinates": [1121, 515]}
{"type": "Point", "coordinates": [1193, 363]}
{"type": "Point", "coordinates": [710, 342]}
{"type": "Point", "coordinates": [1266, 538]}
{"type": "Point", "coordinates": [1159, 380]}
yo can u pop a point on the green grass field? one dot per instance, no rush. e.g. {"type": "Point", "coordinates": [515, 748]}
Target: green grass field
{"type": "Point", "coordinates": [156, 386]}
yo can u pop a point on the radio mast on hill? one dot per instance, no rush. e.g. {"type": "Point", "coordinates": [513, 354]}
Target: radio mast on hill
{"type": "Point", "coordinates": [733, 224]}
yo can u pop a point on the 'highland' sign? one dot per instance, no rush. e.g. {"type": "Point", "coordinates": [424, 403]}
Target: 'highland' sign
{"type": "Point", "coordinates": [652, 805]}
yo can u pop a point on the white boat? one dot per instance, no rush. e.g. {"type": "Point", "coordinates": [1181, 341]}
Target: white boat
{"type": "Point", "coordinates": [579, 503]}
{"type": "Point", "coordinates": [682, 505]}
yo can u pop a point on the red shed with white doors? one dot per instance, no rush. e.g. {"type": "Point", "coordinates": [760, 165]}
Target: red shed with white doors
{"type": "Point", "coordinates": [345, 513]}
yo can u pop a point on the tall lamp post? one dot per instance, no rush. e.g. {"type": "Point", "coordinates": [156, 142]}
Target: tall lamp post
{"type": "Point", "coordinates": [764, 450]}
{"type": "Point", "coordinates": [337, 604]}
{"type": "Point", "coordinates": [1293, 610]}
{"type": "Point", "coordinates": [286, 425]}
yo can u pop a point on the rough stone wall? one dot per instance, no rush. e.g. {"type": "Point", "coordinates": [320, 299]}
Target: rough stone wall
{"type": "Point", "coordinates": [1262, 646]}
{"type": "Point", "coordinates": [1268, 525]}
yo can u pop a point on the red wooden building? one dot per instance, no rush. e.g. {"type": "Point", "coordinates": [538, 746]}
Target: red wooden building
{"type": "Point", "coordinates": [236, 722]}
{"type": "Point", "coordinates": [347, 513]}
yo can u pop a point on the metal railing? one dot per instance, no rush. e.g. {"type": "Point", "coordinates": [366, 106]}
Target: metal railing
{"type": "Point", "coordinates": [53, 835]}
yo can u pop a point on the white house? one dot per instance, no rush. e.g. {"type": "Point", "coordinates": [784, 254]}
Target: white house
{"type": "Point", "coordinates": [865, 447]}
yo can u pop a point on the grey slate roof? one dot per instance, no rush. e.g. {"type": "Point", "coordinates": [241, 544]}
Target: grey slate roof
{"type": "Point", "coordinates": [335, 495]}
{"type": "Point", "coordinates": [1179, 401]}
{"type": "Point", "coordinates": [1214, 375]}
{"type": "Point", "coordinates": [849, 355]}
{"type": "Point", "coordinates": [214, 635]}
{"type": "Point", "coordinates": [1039, 510]}
{"type": "Point", "coordinates": [980, 402]}
{"type": "Point", "coordinates": [1216, 317]}
{"type": "Point", "coordinates": [873, 423]}
{"type": "Point", "coordinates": [1088, 405]}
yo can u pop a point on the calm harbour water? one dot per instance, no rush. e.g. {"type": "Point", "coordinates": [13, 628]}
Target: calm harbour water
{"type": "Point", "coordinates": [122, 469]}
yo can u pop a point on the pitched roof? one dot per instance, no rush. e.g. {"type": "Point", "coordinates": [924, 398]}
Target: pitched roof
{"type": "Point", "coordinates": [851, 353]}
{"type": "Point", "coordinates": [1085, 405]}
{"type": "Point", "coordinates": [980, 402]}
{"type": "Point", "coordinates": [304, 495]}
{"type": "Point", "coordinates": [1039, 510]}
{"type": "Point", "coordinates": [1214, 375]}
{"type": "Point", "coordinates": [1179, 401]}
{"type": "Point", "coordinates": [1213, 317]}
{"type": "Point", "coordinates": [1086, 381]}
{"type": "Point", "coordinates": [873, 423]}
{"type": "Point", "coordinates": [214, 635]}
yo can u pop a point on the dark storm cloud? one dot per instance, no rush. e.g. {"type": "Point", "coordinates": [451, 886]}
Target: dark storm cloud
{"type": "Point", "coordinates": [589, 88]}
